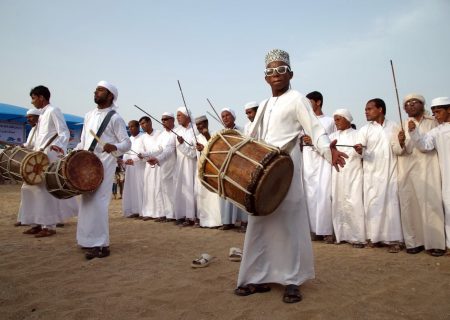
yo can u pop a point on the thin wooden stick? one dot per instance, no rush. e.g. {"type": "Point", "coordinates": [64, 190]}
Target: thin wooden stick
{"type": "Point", "coordinates": [189, 113]}
{"type": "Point", "coordinates": [398, 100]}
{"type": "Point", "coordinates": [214, 117]}
{"type": "Point", "coordinates": [160, 123]}
{"type": "Point", "coordinates": [218, 117]}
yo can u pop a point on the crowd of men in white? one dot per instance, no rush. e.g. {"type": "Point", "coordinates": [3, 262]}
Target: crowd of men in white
{"type": "Point", "coordinates": [390, 191]}
{"type": "Point", "coordinates": [394, 189]}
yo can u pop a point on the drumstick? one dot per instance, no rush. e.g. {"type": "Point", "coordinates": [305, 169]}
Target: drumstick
{"type": "Point", "coordinates": [100, 142]}
{"type": "Point", "coordinates": [214, 117]}
{"type": "Point", "coordinates": [189, 113]}
{"type": "Point", "coordinates": [216, 113]}
{"type": "Point", "coordinates": [338, 145]}
{"type": "Point", "coordinates": [166, 127]}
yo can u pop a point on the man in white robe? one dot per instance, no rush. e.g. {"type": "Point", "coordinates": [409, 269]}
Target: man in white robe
{"type": "Point", "coordinates": [381, 203]}
{"type": "Point", "coordinates": [438, 139]}
{"type": "Point", "coordinates": [151, 172]}
{"type": "Point", "coordinates": [347, 185]}
{"type": "Point", "coordinates": [185, 170]}
{"type": "Point", "coordinates": [93, 223]}
{"type": "Point", "coordinates": [231, 214]}
{"type": "Point", "coordinates": [134, 174]}
{"type": "Point", "coordinates": [277, 247]}
{"type": "Point", "coordinates": [38, 207]}
{"type": "Point", "coordinates": [164, 157]}
{"type": "Point", "coordinates": [317, 177]}
{"type": "Point", "coordinates": [208, 203]}
{"type": "Point", "coordinates": [419, 182]}
{"type": "Point", "coordinates": [32, 119]}
{"type": "Point", "coordinates": [250, 108]}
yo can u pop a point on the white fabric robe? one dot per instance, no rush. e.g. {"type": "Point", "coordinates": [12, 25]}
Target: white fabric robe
{"type": "Point", "coordinates": [439, 139]}
{"type": "Point", "coordinates": [208, 203]}
{"type": "Point", "coordinates": [277, 247]}
{"type": "Point", "coordinates": [152, 180]}
{"type": "Point", "coordinates": [38, 206]}
{"type": "Point", "coordinates": [347, 192]}
{"type": "Point", "coordinates": [317, 184]}
{"type": "Point", "coordinates": [420, 193]}
{"type": "Point", "coordinates": [381, 204]}
{"type": "Point", "coordinates": [185, 175]}
{"type": "Point", "coordinates": [167, 159]}
{"type": "Point", "coordinates": [133, 189]}
{"type": "Point", "coordinates": [93, 224]}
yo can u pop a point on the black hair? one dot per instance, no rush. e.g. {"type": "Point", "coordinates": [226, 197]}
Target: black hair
{"type": "Point", "coordinates": [316, 96]}
{"type": "Point", "coordinates": [40, 91]}
{"type": "Point", "coordinates": [379, 103]}
{"type": "Point", "coordinates": [147, 119]}
{"type": "Point", "coordinates": [135, 122]}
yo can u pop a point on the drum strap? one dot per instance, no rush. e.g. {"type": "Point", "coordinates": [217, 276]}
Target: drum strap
{"type": "Point", "coordinates": [288, 146]}
{"type": "Point", "coordinates": [101, 129]}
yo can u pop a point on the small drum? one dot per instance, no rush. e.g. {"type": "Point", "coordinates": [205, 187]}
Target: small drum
{"type": "Point", "coordinates": [79, 172]}
{"type": "Point", "coordinates": [21, 164]}
{"type": "Point", "coordinates": [253, 175]}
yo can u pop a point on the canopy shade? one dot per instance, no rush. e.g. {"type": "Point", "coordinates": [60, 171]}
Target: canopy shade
{"type": "Point", "coordinates": [9, 112]}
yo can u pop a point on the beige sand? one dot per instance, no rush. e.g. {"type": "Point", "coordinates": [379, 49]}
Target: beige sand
{"type": "Point", "coordinates": [148, 276]}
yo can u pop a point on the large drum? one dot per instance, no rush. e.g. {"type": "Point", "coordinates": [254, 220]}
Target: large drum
{"type": "Point", "coordinates": [21, 164]}
{"type": "Point", "coordinates": [253, 175]}
{"type": "Point", "coordinates": [79, 172]}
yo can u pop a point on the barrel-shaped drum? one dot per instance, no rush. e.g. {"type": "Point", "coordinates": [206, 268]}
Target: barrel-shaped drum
{"type": "Point", "coordinates": [253, 175]}
{"type": "Point", "coordinates": [21, 164]}
{"type": "Point", "coordinates": [77, 173]}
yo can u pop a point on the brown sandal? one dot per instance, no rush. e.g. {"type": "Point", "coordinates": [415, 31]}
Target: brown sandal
{"type": "Point", "coordinates": [292, 294]}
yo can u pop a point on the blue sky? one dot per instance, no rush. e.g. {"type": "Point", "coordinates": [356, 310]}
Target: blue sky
{"type": "Point", "coordinates": [216, 49]}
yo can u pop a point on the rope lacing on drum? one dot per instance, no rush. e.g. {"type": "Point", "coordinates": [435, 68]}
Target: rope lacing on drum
{"type": "Point", "coordinates": [234, 149]}
{"type": "Point", "coordinates": [59, 178]}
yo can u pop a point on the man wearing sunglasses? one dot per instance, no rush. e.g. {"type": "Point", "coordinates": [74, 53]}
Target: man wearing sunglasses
{"type": "Point", "coordinates": [419, 185]}
{"type": "Point", "coordinates": [277, 247]}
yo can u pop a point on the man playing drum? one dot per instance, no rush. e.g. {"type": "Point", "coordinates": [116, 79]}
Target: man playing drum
{"type": "Point", "coordinates": [277, 247]}
{"type": "Point", "coordinates": [32, 119]}
{"type": "Point", "coordinates": [38, 207]}
{"type": "Point", "coordinates": [93, 226]}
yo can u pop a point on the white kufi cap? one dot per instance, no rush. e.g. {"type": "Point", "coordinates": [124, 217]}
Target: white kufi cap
{"type": "Point", "coordinates": [251, 105]}
{"type": "Point", "coordinates": [33, 112]}
{"type": "Point", "coordinates": [111, 88]}
{"type": "Point", "coordinates": [441, 101]}
{"type": "Point", "coordinates": [230, 111]}
{"type": "Point", "coordinates": [344, 113]}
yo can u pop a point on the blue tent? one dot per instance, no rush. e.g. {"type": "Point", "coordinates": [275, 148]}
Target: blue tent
{"type": "Point", "coordinates": [9, 112]}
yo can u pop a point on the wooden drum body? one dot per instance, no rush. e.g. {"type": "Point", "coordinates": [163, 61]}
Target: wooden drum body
{"type": "Point", "coordinates": [21, 164]}
{"type": "Point", "coordinates": [79, 172]}
{"type": "Point", "coordinates": [253, 175]}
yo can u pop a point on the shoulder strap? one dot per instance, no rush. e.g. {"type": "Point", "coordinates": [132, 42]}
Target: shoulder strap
{"type": "Point", "coordinates": [101, 129]}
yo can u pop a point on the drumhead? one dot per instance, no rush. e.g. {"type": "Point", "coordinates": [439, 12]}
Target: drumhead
{"type": "Point", "coordinates": [84, 170]}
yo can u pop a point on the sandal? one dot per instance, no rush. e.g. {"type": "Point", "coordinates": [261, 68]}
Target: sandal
{"type": "Point", "coordinates": [251, 288]}
{"type": "Point", "coordinates": [97, 252]}
{"type": "Point", "coordinates": [235, 255]}
{"type": "Point", "coordinates": [292, 294]}
{"type": "Point", "coordinates": [203, 261]}
{"type": "Point", "coordinates": [394, 248]}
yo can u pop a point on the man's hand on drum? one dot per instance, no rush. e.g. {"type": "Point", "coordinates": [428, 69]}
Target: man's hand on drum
{"type": "Point", "coordinates": [57, 149]}
{"type": "Point", "coordinates": [180, 139]}
{"type": "Point", "coordinates": [200, 147]}
{"type": "Point", "coordinates": [109, 148]}
{"type": "Point", "coordinates": [337, 157]}
{"type": "Point", "coordinates": [153, 161]}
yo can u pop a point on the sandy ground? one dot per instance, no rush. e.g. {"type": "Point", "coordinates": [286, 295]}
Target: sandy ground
{"type": "Point", "coordinates": [148, 276]}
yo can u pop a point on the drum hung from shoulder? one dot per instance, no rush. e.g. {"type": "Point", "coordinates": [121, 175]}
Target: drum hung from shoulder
{"type": "Point", "coordinates": [77, 173]}
{"type": "Point", "coordinates": [253, 175]}
{"type": "Point", "coordinates": [21, 164]}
